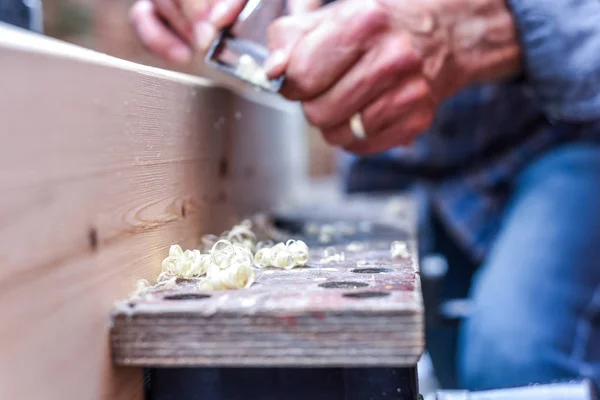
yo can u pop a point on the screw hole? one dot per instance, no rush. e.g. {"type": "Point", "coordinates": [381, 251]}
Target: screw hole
{"type": "Point", "coordinates": [366, 295]}
{"type": "Point", "coordinates": [371, 270]}
{"type": "Point", "coordinates": [93, 238]}
{"type": "Point", "coordinates": [343, 285]}
{"type": "Point", "coordinates": [223, 168]}
{"type": "Point", "coordinates": [187, 296]}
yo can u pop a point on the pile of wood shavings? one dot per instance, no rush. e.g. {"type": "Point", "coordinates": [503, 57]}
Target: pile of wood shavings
{"type": "Point", "coordinates": [228, 261]}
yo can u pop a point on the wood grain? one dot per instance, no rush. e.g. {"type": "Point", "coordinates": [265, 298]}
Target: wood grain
{"type": "Point", "coordinates": [365, 310]}
{"type": "Point", "coordinates": [103, 165]}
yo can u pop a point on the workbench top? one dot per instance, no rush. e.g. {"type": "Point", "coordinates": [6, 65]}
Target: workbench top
{"type": "Point", "coordinates": [364, 310]}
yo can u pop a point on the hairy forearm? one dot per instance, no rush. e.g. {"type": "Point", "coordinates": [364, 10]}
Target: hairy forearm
{"type": "Point", "coordinates": [462, 41]}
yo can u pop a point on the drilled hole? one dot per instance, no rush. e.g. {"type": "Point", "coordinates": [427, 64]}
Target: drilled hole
{"type": "Point", "coordinates": [187, 296]}
{"type": "Point", "coordinates": [371, 270]}
{"type": "Point", "coordinates": [93, 238]}
{"type": "Point", "coordinates": [223, 168]}
{"type": "Point", "coordinates": [183, 211]}
{"type": "Point", "coordinates": [365, 295]}
{"type": "Point", "coordinates": [343, 285]}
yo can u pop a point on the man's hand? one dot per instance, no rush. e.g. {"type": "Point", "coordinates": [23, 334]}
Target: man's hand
{"type": "Point", "coordinates": [175, 29]}
{"type": "Point", "coordinates": [390, 61]}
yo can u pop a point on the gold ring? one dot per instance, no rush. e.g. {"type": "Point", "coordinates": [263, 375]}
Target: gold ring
{"type": "Point", "coordinates": [357, 127]}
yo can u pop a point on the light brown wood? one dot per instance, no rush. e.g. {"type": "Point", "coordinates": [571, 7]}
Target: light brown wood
{"type": "Point", "coordinates": [365, 310]}
{"type": "Point", "coordinates": [103, 165]}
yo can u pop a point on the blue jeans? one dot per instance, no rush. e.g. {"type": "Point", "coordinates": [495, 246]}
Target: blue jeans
{"type": "Point", "coordinates": [536, 297]}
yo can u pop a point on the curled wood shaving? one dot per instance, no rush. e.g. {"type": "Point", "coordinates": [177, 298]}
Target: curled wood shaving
{"type": "Point", "coordinates": [249, 70]}
{"type": "Point", "coordinates": [293, 253]}
{"type": "Point", "coordinates": [399, 249]}
{"type": "Point", "coordinates": [182, 264]}
{"type": "Point", "coordinates": [330, 254]}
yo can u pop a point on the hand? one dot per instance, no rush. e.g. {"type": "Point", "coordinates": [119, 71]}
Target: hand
{"type": "Point", "coordinates": [175, 29]}
{"type": "Point", "coordinates": [391, 61]}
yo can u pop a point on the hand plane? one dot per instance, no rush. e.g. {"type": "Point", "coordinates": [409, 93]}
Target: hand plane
{"type": "Point", "coordinates": [241, 49]}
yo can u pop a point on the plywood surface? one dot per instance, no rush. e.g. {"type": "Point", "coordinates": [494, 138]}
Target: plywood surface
{"type": "Point", "coordinates": [364, 310]}
{"type": "Point", "coordinates": [103, 165]}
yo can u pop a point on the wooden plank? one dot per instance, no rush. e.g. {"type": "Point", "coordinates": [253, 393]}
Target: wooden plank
{"type": "Point", "coordinates": [103, 165]}
{"type": "Point", "coordinates": [364, 310]}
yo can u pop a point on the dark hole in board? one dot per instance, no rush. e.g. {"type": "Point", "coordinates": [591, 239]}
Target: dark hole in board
{"type": "Point", "coordinates": [371, 270]}
{"type": "Point", "coordinates": [184, 281]}
{"type": "Point", "coordinates": [183, 211]}
{"type": "Point", "coordinates": [343, 285]}
{"type": "Point", "coordinates": [366, 295]}
{"type": "Point", "coordinates": [93, 238]}
{"type": "Point", "coordinates": [223, 168]}
{"type": "Point", "coordinates": [187, 296]}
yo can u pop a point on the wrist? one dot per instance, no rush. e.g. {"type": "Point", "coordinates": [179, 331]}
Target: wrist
{"type": "Point", "coordinates": [464, 42]}
{"type": "Point", "coordinates": [485, 40]}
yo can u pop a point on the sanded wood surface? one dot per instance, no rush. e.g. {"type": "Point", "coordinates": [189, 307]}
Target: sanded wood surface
{"type": "Point", "coordinates": [103, 165]}
{"type": "Point", "coordinates": [365, 310]}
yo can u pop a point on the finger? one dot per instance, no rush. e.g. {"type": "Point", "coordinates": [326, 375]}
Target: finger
{"type": "Point", "coordinates": [283, 35]}
{"type": "Point", "coordinates": [341, 36]}
{"type": "Point", "coordinates": [210, 20]}
{"type": "Point", "coordinates": [225, 12]}
{"type": "Point", "coordinates": [381, 68]}
{"type": "Point", "coordinates": [400, 133]}
{"type": "Point", "coordinates": [412, 97]}
{"type": "Point", "coordinates": [296, 7]}
{"type": "Point", "coordinates": [156, 36]}
{"type": "Point", "coordinates": [173, 14]}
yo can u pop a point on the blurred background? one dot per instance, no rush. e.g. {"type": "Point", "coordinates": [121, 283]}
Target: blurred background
{"type": "Point", "coordinates": [103, 25]}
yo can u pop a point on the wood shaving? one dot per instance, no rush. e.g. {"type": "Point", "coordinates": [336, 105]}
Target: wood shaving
{"type": "Point", "coordinates": [330, 254]}
{"type": "Point", "coordinates": [399, 249]}
{"type": "Point", "coordinates": [249, 70]}
{"type": "Point", "coordinates": [183, 264]}
{"type": "Point", "coordinates": [293, 253]}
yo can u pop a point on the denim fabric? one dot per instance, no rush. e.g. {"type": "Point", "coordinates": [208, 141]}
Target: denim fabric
{"type": "Point", "coordinates": [536, 298]}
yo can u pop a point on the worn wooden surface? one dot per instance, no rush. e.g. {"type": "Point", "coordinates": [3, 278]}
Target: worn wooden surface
{"type": "Point", "coordinates": [363, 311]}
{"type": "Point", "coordinates": [103, 165]}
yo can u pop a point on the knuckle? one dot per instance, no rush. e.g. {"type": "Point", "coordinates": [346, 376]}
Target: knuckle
{"type": "Point", "coordinates": [374, 15]}
{"type": "Point", "coordinates": [314, 114]}
{"type": "Point", "coordinates": [278, 27]}
{"type": "Point", "coordinates": [306, 84]}
{"type": "Point", "coordinates": [412, 93]}
{"type": "Point", "coordinates": [405, 52]}
{"type": "Point", "coordinates": [394, 63]}
{"type": "Point", "coordinates": [137, 10]}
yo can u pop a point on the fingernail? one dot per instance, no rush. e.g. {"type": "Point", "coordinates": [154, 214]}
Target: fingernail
{"type": "Point", "coordinates": [218, 13]}
{"type": "Point", "coordinates": [274, 62]}
{"type": "Point", "coordinates": [204, 34]}
{"type": "Point", "coordinates": [180, 54]}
